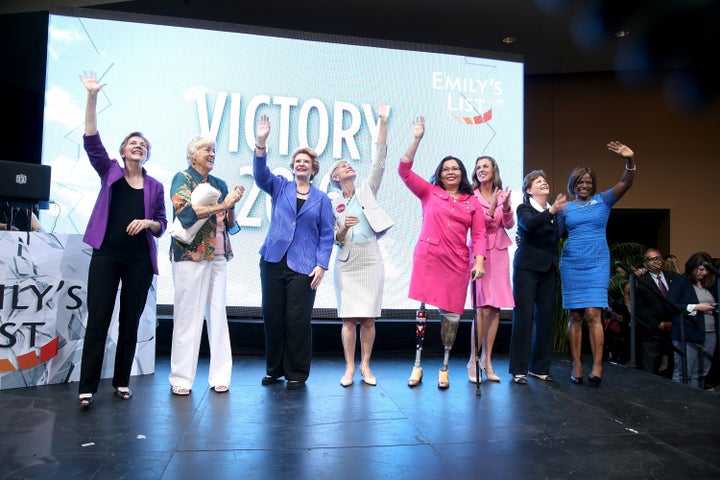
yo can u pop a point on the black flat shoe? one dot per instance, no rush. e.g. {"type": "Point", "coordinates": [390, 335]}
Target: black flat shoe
{"type": "Point", "coordinates": [594, 380]}
{"type": "Point", "coordinates": [576, 380]}
{"type": "Point", "coordinates": [294, 384]}
{"type": "Point", "coordinates": [520, 379]}
{"type": "Point", "coordinates": [268, 380]}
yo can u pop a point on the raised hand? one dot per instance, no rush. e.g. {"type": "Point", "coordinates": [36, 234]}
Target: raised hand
{"type": "Point", "coordinates": [89, 78]}
{"type": "Point", "coordinates": [263, 129]}
{"type": "Point", "coordinates": [383, 112]}
{"type": "Point", "coordinates": [418, 127]}
{"type": "Point", "coordinates": [621, 149]}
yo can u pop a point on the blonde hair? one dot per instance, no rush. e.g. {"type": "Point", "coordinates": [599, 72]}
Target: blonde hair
{"type": "Point", "coordinates": [313, 156]}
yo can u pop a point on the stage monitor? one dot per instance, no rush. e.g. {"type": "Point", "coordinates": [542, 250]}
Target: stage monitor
{"type": "Point", "coordinates": [24, 182]}
{"type": "Point", "coordinates": [173, 79]}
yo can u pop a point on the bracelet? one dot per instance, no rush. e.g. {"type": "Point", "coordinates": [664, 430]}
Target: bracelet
{"type": "Point", "coordinates": [631, 169]}
{"type": "Point", "coordinates": [259, 147]}
{"type": "Point", "coordinates": [208, 209]}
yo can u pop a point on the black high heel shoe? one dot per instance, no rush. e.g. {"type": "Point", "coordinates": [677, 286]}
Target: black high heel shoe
{"type": "Point", "coordinates": [594, 380]}
{"type": "Point", "coordinates": [577, 380]}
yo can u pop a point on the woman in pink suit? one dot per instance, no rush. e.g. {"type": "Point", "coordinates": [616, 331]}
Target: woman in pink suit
{"type": "Point", "coordinates": [441, 261]}
{"type": "Point", "coordinates": [494, 291]}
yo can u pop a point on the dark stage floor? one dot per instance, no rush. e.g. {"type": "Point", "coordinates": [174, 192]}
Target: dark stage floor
{"type": "Point", "coordinates": [634, 426]}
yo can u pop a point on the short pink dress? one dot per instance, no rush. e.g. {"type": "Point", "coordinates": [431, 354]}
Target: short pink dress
{"type": "Point", "coordinates": [494, 289]}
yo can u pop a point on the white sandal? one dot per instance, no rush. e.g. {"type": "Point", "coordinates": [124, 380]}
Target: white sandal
{"type": "Point", "coordinates": [182, 391]}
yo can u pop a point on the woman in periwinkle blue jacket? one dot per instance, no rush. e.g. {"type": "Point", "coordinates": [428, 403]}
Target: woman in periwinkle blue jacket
{"type": "Point", "coordinates": [294, 258]}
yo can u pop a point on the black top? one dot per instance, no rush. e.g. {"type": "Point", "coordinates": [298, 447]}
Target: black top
{"type": "Point", "coordinates": [126, 204]}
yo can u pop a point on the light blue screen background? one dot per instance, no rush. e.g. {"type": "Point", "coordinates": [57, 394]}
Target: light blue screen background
{"type": "Point", "coordinates": [173, 83]}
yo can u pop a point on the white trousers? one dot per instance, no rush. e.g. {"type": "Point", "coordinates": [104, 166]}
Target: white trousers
{"type": "Point", "coordinates": [200, 293]}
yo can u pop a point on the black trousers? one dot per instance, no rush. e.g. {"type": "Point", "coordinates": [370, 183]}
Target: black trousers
{"type": "Point", "coordinates": [531, 344]}
{"type": "Point", "coordinates": [287, 304]}
{"type": "Point", "coordinates": [104, 276]}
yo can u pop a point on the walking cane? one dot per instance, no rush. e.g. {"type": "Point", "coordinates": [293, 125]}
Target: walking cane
{"type": "Point", "coordinates": [477, 335]}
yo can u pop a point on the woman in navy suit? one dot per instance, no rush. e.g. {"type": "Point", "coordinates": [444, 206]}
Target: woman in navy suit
{"type": "Point", "coordinates": [294, 258]}
{"type": "Point", "coordinates": [535, 272]}
{"type": "Point", "coordinates": [695, 295]}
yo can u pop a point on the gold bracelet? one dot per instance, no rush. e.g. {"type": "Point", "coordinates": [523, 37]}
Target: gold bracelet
{"type": "Point", "coordinates": [208, 208]}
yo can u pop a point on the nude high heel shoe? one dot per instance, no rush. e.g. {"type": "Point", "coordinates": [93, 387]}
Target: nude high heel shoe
{"type": "Point", "coordinates": [489, 373]}
{"type": "Point", "coordinates": [443, 379]}
{"type": "Point", "coordinates": [415, 377]}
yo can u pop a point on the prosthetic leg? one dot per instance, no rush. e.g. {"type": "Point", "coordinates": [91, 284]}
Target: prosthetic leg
{"type": "Point", "coordinates": [420, 320]}
{"type": "Point", "coordinates": [448, 332]}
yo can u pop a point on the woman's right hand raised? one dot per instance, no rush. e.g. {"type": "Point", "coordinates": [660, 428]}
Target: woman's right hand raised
{"type": "Point", "coordinates": [89, 78]}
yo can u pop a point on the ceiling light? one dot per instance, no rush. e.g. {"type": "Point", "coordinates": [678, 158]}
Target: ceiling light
{"type": "Point", "coordinates": [622, 33]}
{"type": "Point", "coordinates": [509, 39]}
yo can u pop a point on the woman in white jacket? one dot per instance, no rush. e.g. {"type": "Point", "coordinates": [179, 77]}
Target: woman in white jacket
{"type": "Point", "coordinates": [359, 271]}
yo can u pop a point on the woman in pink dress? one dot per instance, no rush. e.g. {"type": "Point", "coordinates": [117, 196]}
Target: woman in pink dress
{"type": "Point", "coordinates": [441, 260]}
{"type": "Point", "coordinates": [493, 290]}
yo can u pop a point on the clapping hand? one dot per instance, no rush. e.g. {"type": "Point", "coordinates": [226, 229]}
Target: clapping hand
{"type": "Point", "coordinates": [506, 199]}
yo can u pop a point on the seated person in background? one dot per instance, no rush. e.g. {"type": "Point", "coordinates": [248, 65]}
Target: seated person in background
{"type": "Point", "coordinates": [18, 219]}
{"type": "Point", "coordinates": [654, 316]}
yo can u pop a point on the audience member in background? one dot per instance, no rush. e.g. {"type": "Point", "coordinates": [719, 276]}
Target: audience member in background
{"type": "Point", "coordinates": [18, 219]}
{"type": "Point", "coordinates": [654, 316]}
{"type": "Point", "coordinates": [694, 293]}
{"type": "Point", "coordinates": [493, 290]}
{"type": "Point", "coordinates": [359, 270]}
{"type": "Point", "coordinates": [128, 215]}
{"type": "Point", "coordinates": [535, 272]}
{"type": "Point", "coordinates": [585, 260]}
{"type": "Point", "coordinates": [670, 263]}
{"type": "Point", "coordinates": [441, 260]}
{"type": "Point", "coordinates": [293, 260]}
{"type": "Point", "coordinates": [200, 273]}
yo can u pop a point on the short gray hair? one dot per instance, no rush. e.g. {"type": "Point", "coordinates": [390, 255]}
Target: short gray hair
{"type": "Point", "coordinates": [196, 143]}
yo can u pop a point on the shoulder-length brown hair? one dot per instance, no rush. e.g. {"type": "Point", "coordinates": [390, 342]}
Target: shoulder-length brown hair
{"type": "Point", "coordinates": [696, 260]}
{"type": "Point", "coordinates": [496, 181]}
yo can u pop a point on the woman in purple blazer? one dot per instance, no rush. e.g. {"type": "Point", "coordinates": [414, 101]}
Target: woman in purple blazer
{"type": "Point", "coordinates": [128, 215]}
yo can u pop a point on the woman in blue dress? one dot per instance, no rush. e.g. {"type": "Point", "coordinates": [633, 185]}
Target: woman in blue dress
{"type": "Point", "coordinates": [585, 261]}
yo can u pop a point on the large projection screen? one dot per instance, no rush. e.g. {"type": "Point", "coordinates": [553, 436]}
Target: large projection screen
{"type": "Point", "coordinates": [173, 79]}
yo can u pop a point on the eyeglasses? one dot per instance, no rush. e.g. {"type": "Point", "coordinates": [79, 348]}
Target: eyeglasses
{"type": "Point", "coordinates": [450, 169]}
{"type": "Point", "coordinates": [654, 259]}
